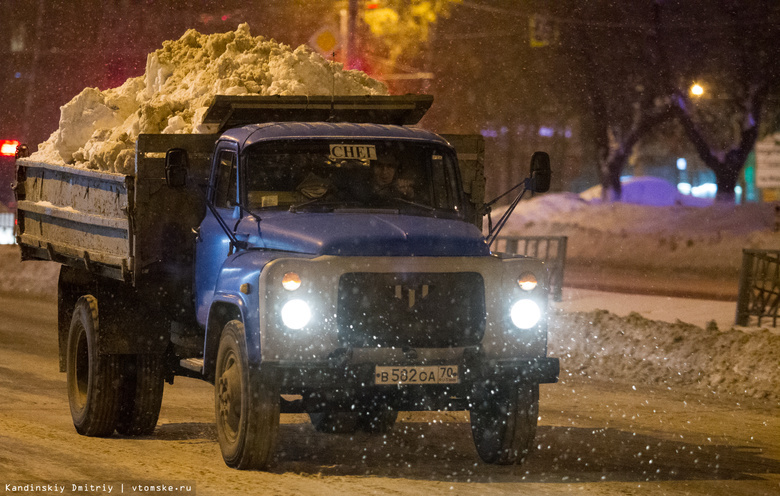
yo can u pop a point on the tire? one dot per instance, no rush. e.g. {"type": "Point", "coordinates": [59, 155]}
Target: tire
{"type": "Point", "coordinates": [246, 404]}
{"type": "Point", "coordinates": [142, 383]}
{"type": "Point", "coordinates": [92, 378]}
{"type": "Point", "coordinates": [503, 422]}
{"type": "Point", "coordinates": [335, 422]}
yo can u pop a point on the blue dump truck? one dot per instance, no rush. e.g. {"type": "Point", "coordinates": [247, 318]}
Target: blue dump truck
{"type": "Point", "coordinates": [316, 255]}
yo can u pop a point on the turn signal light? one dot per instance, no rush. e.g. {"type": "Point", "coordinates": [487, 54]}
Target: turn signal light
{"type": "Point", "coordinates": [527, 282]}
{"type": "Point", "coordinates": [291, 281]}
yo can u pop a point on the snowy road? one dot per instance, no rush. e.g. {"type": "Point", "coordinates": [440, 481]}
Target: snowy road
{"type": "Point", "coordinates": [601, 438]}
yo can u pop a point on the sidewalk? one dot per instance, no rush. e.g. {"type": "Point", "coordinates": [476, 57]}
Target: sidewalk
{"type": "Point", "coordinates": [682, 285]}
{"type": "Point", "coordinates": [664, 308]}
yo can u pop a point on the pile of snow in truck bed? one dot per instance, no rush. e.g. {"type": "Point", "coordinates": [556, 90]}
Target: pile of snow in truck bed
{"type": "Point", "coordinates": [98, 128]}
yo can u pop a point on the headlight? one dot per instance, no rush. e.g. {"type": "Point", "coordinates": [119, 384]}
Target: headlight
{"type": "Point", "coordinates": [525, 314]}
{"type": "Point", "coordinates": [296, 314]}
{"type": "Point", "coordinates": [527, 282]}
{"type": "Point", "coordinates": [291, 281]}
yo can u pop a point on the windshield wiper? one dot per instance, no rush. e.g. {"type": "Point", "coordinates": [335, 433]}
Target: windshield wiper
{"type": "Point", "coordinates": [315, 201]}
{"type": "Point", "coordinates": [414, 204]}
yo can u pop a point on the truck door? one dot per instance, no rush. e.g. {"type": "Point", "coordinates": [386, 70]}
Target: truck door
{"type": "Point", "coordinates": [213, 245]}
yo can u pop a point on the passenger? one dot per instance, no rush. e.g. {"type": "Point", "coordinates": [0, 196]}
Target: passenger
{"type": "Point", "coordinates": [405, 184]}
{"type": "Point", "coordinates": [383, 177]}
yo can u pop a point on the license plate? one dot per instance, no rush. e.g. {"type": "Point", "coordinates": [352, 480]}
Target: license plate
{"type": "Point", "coordinates": [420, 374]}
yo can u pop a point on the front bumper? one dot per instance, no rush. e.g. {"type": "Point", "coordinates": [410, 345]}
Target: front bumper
{"type": "Point", "coordinates": [351, 384]}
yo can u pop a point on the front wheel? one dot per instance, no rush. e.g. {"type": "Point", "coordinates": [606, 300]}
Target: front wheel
{"type": "Point", "coordinates": [503, 421]}
{"type": "Point", "coordinates": [93, 379]}
{"type": "Point", "coordinates": [246, 404]}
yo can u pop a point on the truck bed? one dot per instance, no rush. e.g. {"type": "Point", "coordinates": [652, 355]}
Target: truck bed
{"type": "Point", "coordinates": [115, 225]}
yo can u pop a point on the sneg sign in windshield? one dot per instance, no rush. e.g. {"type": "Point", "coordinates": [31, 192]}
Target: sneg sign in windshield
{"type": "Point", "coordinates": [348, 152]}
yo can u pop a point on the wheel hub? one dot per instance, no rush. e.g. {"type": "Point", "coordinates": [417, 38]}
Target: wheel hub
{"type": "Point", "coordinates": [229, 388]}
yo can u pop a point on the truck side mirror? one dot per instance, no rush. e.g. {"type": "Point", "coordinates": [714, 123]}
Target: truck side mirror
{"type": "Point", "coordinates": [540, 172]}
{"type": "Point", "coordinates": [22, 151]}
{"type": "Point", "coordinates": [176, 165]}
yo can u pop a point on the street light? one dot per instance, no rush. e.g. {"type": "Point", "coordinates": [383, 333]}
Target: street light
{"type": "Point", "coordinates": [697, 90]}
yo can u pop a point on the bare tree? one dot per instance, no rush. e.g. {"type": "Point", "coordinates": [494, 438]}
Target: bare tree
{"type": "Point", "coordinates": [744, 69]}
{"type": "Point", "coordinates": [627, 90]}
{"type": "Point", "coordinates": [727, 164]}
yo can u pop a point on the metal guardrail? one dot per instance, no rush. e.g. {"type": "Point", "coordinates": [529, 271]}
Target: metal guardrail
{"type": "Point", "coordinates": [7, 222]}
{"type": "Point", "coordinates": [550, 249]}
{"type": "Point", "coordinates": [759, 287]}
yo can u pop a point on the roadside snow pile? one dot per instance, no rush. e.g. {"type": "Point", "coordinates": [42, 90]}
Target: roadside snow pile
{"type": "Point", "coordinates": [181, 79]}
{"type": "Point", "coordinates": [606, 347]}
{"type": "Point", "coordinates": [706, 240]}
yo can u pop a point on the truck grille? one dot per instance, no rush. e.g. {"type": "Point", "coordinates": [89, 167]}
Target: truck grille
{"type": "Point", "coordinates": [411, 309]}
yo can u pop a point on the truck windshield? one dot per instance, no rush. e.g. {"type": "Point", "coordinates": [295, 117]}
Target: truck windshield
{"type": "Point", "coordinates": [340, 173]}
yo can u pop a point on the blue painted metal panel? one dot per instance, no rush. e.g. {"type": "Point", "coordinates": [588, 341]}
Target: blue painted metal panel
{"type": "Point", "coordinates": [364, 234]}
{"type": "Point", "coordinates": [248, 135]}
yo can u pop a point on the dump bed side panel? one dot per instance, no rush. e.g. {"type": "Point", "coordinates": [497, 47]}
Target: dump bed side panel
{"type": "Point", "coordinates": [124, 227]}
{"type": "Point", "coordinates": [75, 216]}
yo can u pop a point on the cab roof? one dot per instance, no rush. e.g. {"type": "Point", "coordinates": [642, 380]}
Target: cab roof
{"type": "Point", "coordinates": [255, 133]}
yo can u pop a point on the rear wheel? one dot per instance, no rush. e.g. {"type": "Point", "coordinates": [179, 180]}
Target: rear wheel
{"type": "Point", "coordinates": [143, 380]}
{"type": "Point", "coordinates": [246, 404]}
{"type": "Point", "coordinates": [92, 378]}
{"type": "Point", "coordinates": [503, 421]}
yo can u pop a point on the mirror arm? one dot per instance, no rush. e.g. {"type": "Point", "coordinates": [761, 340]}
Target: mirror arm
{"type": "Point", "coordinates": [524, 182]}
{"type": "Point", "coordinates": [493, 234]}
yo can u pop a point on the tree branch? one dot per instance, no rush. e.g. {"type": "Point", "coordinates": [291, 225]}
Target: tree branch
{"type": "Point", "coordinates": [694, 133]}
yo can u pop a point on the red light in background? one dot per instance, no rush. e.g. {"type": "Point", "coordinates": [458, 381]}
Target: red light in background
{"type": "Point", "coordinates": [372, 6]}
{"type": "Point", "coordinates": [8, 148]}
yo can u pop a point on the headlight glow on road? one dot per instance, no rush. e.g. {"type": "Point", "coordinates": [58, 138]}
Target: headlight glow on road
{"type": "Point", "coordinates": [525, 314]}
{"type": "Point", "coordinates": [296, 314]}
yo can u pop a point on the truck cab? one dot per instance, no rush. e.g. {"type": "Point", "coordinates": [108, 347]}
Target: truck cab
{"type": "Point", "coordinates": [341, 259]}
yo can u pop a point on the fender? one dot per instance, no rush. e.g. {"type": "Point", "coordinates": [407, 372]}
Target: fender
{"type": "Point", "coordinates": [236, 296]}
{"type": "Point", "coordinates": [224, 308]}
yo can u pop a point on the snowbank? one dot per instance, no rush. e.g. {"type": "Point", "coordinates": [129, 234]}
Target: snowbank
{"type": "Point", "coordinates": [98, 128]}
{"type": "Point", "coordinates": [703, 240]}
{"type": "Point", "coordinates": [606, 347]}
